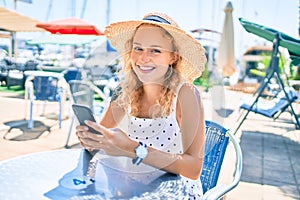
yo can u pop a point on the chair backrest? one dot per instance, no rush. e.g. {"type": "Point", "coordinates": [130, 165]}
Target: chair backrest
{"type": "Point", "coordinates": [31, 65]}
{"type": "Point", "coordinates": [291, 92]}
{"type": "Point", "coordinates": [82, 93]}
{"type": "Point", "coordinates": [72, 74]}
{"type": "Point", "coordinates": [100, 73]}
{"type": "Point", "coordinates": [215, 148]}
{"type": "Point", "coordinates": [46, 88]}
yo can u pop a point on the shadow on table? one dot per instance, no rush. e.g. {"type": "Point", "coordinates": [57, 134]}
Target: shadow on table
{"type": "Point", "coordinates": [74, 183]}
{"type": "Point", "coordinates": [270, 159]}
{"type": "Point", "coordinates": [111, 183]}
{"type": "Point", "coordinates": [19, 131]}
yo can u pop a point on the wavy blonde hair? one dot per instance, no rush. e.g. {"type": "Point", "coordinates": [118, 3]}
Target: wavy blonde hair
{"type": "Point", "coordinates": [132, 90]}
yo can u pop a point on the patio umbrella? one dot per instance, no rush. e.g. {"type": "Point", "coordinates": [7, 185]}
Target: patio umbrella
{"type": "Point", "coordinates": [72, 40]}
{"type": "Point", "coordinates": [292, 44]}
{"type": "Point", "coordinates": [70, 26]}
{"type": "Point", "coordinates": [226, 58]}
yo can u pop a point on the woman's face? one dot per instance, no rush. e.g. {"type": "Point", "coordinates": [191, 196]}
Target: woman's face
{"type": "Point", "coordinates": [151, 54]}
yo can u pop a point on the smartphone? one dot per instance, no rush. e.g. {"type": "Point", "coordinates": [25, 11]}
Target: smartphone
{"type": "Point", "coordinates": [83, 113]}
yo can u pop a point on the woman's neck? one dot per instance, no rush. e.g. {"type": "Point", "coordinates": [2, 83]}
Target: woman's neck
{"type": "Point", "coordinates": [152, 91]}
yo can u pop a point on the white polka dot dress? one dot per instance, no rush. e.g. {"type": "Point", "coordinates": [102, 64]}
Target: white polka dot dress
{"type": "Point", "coordinates": [164, 134]}
{"type": "Point", "coordinates": [160, 133]}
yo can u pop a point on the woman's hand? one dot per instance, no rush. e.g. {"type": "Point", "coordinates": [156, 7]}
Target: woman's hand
{"type": "Point", "coordinates": [112, 140]}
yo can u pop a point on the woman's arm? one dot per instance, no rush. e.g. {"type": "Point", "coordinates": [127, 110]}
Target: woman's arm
{"type": "Point", "coordinates": [188, 164]}
{"type": "Point", "coordinates": [192, 125]}
{"type": "Point", "coordinates": [113, 115]}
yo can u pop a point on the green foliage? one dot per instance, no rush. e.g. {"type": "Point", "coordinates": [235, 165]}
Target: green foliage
{"type": "Point", "coordinates": [203, 80]}
{"type": "Point", "coordinates": [295, 72]}
{"type": "Point", "coordinates": [97, 98]}
{"type": "Point", "coordinates": [258, 72]}
{"type": "Point", "coordinates": [266, 62]}
{"type": "Point", "coordinates": [13, 89]}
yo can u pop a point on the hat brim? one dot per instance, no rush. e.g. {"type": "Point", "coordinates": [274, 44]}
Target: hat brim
{"type": "Point", "coordinates": [190, 50]}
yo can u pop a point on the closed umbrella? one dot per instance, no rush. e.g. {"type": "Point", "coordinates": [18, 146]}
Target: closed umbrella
{"type": "Point", "coordinates": [226, 58]}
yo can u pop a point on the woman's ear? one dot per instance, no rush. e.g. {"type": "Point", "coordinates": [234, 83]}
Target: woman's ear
{"type": "Point", "coordinates": [174, 58]}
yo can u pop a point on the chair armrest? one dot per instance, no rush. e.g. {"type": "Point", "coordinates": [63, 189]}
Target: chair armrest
{"type": "Point", "coordinates": [214, 193]}
{"type": "Point", "coordinates": [220, 190]}
{"type": "Point", "coordinates": [99, 92]}
{"type": "Point", "coordinates": [28, 88]}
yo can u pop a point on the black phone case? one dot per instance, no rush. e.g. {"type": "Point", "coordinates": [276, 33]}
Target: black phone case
{"type": "Point", "coordinates": [84, 113]}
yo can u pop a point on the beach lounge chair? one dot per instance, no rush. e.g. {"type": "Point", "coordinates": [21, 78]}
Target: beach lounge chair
{"type": "Point", "coordinates": [287, 96]}
{"type": "Point", "coordinates": [83, 92]}
{"type": "Point", "coordinates": [217, 138]}
{"type": "Point", "coordinates": [272, 108]}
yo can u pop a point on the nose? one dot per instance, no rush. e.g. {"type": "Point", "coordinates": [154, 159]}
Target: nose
{"type": "Point", "coordinates": [145, 57]}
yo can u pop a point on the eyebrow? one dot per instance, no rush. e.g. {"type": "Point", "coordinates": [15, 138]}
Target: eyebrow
{"type": "Point", "coordinates": [151, 46]}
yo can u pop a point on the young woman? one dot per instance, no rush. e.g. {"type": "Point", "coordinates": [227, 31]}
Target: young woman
{"type": "Point", "coordinates": [156, 117]}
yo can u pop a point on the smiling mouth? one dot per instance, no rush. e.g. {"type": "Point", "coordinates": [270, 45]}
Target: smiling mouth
{"type": "Point", "coordinates": [145, 69]}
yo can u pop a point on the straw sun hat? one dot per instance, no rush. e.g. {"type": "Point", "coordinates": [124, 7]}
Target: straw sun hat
{"type": "Point", "coordinates": [191, 51]}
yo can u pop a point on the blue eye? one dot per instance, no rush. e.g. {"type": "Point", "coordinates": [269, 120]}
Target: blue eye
{"type": "Point", "coordinates": [155, 51]}
{"type": "Point", "coordinates": [137, 49]}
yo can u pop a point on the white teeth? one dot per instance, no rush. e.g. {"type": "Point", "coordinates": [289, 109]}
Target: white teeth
{"type": "Point", "coordinates": [145, 68]}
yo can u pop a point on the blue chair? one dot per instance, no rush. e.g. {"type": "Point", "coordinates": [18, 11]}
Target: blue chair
{"type": "Point", "coordinates": [47, 87]}
{"type": "Point", "coordinates": [72, 73]}
{"type": "Point", "coordinates": [217, 138]}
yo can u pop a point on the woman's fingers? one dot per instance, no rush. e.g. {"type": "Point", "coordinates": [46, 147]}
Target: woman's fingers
{"type": "Point", "coordinates": [90, 136]}
{"type": "Point", "coordinates": [103, 130]}
{"type": "Point", "coordinates": [112, 141]}
{"type": "Point", "coordinates": [89, 140]}
{"type": "Point", "coordinates": [82, 128]}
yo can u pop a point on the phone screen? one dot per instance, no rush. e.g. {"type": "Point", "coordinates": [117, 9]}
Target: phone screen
{"type": "Point", "coordinates": [84, 113]}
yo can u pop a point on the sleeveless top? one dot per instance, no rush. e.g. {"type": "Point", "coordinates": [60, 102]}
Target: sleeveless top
{"type": "Point", "coordinates": [161, 133]}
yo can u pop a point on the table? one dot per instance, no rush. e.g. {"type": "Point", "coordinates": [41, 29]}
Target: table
{"type": "Point", "coordinates": [43, 73]}
{"type": "Point", "coordinates": [57, 69]}
{"type": "Point", "coordinates": [61, 174]}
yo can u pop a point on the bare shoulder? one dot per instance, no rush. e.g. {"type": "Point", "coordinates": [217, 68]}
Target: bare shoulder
{"type": "Point", "coordinates": [188, 92]}
{"type": "Point", "coordinates": [189, 105]}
